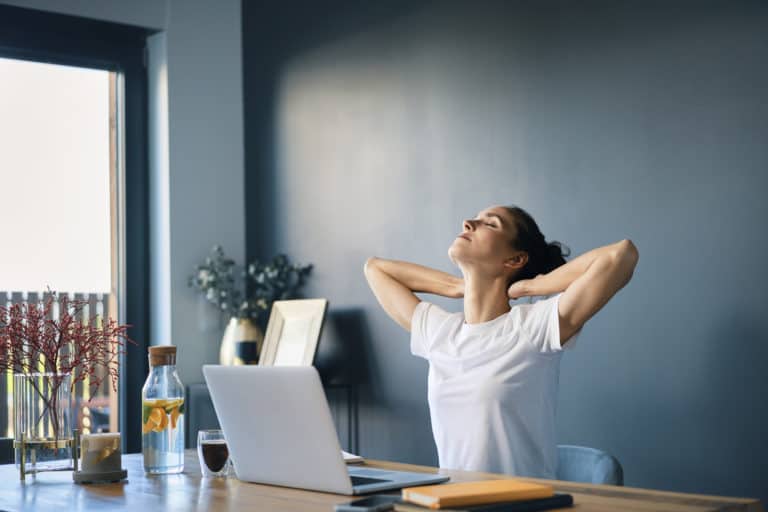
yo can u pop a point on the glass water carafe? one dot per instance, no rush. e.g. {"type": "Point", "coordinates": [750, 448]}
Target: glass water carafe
{"type": "Point", "coordinates": [162, 414]}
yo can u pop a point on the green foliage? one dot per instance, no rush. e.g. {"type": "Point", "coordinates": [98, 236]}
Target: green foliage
{"type": "Point", "coordinates": [247, 292]}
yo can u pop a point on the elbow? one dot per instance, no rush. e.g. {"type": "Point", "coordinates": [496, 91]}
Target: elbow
{"type": "Point", "coordinates": [630, 250]}
{"type": "Point", "coordinates": [627, 254]}
{"type": "Point", "coordinates": [370, 263]}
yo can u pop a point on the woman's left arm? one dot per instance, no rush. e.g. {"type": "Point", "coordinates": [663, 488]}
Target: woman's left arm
{"type": "Point", "coordinates": [588, 282]}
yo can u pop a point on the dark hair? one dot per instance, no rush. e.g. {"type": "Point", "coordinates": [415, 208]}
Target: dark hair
{"type": "Point", "coordinates": [543, 256]}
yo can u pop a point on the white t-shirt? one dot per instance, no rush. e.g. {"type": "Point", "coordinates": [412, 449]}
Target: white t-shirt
{"type": "Point", "coordinates": [493, 387]}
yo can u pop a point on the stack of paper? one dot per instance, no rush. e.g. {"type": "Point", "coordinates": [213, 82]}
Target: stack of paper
{"type": "Point", "coordinates": [351, 458]}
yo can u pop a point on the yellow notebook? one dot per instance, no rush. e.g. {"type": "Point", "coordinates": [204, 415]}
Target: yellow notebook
{"type": "Point", "coordinates": [476, 493]}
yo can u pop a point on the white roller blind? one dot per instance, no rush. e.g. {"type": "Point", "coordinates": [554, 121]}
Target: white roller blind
{"type": "Point", "coordinates": [54, 178]}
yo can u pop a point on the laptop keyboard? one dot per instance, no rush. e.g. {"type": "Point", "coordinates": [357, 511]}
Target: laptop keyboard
{"type": "Point", "coordinates": [361, 480]}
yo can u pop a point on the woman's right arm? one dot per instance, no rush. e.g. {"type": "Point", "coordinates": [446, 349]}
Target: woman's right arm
{"type": "Point", "coordinates": [395, 283]}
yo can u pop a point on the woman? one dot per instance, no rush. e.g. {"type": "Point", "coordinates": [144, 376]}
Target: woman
{"type": "Point", "coordinates": [493, 369]}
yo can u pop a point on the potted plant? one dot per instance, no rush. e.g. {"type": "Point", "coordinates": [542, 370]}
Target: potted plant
{"type": "Point", "coordinates": [245, 295]}
{"type": "Point", "coordinates": [50, 347]}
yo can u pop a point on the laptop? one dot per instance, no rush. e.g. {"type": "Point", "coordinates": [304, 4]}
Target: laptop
{"type": "Point", "coordinates": [279, 431]}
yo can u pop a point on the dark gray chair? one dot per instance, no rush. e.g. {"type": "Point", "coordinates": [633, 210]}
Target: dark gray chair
{"type": "Point", "coordinates": [588, 465]}
{"type": "Point", "coordinates": [200, 414]}
{"type": "Point", "coordinates": [6, 450]}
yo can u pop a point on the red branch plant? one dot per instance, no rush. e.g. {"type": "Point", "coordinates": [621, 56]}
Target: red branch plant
{"type": "Point", "coordinates": [33, 340]}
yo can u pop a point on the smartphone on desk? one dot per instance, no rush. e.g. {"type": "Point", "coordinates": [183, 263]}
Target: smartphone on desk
{"type": "Point", "coordinates": [375, 503]}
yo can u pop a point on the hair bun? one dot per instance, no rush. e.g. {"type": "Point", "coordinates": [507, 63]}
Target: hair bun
{"type": "Point", "coordinates": [556, 249]}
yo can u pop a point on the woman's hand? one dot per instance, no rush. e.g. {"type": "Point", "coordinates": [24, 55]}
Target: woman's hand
{"type": "Point", "coordinates": [458, 289]}
{"type": "Point", "coordinates": [517, 289]}
{"type": "Point", "coordinates": [522, 288]}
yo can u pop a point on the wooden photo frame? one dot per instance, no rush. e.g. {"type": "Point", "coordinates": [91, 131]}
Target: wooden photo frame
{"type": "Point", "coordinates": [293, 331]}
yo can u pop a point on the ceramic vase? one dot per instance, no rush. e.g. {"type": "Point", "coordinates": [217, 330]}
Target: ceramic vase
{"type": "Point", "coordinates": [241, 343]}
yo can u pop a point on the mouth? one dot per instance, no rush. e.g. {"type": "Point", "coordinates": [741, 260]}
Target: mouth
{"type": "Point", "coordinates": [465, 237]}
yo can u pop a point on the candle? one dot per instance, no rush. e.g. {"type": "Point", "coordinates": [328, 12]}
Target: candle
{"type": "Point", "coordinates": [100, 458]}
{"type": "Point", "coordinates": [100, 453]}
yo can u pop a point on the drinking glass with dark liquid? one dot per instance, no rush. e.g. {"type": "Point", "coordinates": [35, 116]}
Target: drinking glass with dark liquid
{"type": "Point", "coordinates": [213, 453]}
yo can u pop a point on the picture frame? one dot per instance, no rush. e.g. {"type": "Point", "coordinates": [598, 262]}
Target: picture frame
{"type": "Point", "coordinates": [293, 331]}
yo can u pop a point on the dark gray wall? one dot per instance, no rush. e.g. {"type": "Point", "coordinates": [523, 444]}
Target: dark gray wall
{"type": "Point", "coordinates": [375, 130]}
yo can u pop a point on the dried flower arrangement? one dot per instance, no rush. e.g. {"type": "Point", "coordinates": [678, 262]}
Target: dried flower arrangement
{"type": "Point", "coordinates": [52, 337]}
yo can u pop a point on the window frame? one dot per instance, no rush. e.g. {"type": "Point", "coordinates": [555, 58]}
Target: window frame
{"type": "Point", "coordinates": [62, 39]}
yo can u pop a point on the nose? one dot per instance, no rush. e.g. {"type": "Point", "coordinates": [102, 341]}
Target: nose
{"type": "Point", "coordinates": [469, 225]}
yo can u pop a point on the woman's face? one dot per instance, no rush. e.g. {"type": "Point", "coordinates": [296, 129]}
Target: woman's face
{"type": "Point", "coordinates": [486, 241]}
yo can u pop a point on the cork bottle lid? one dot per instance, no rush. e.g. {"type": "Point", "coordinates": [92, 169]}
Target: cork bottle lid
{"type": "Point", "coordinates": [162, 355]}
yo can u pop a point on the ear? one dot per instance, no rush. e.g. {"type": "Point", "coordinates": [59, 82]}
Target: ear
{"type": "Point", "coordinates": [517, 261]}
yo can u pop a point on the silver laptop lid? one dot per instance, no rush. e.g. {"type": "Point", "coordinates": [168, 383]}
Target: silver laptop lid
{"type": "Point", "coordinates": [278, 426]}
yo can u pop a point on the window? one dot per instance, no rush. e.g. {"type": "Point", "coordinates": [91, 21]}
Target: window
{"type": "Point", "coordinates": [101, 147]}
{"type": "Point", "coordinates": [58, 168]}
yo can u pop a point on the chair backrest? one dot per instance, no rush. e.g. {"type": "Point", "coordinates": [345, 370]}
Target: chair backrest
{"type": "Point", "coordinates": [200, 413]}
{"type": "Point", "coordinates": [6, 450]}
{"type": "Point", "coordinates": [588, 465]}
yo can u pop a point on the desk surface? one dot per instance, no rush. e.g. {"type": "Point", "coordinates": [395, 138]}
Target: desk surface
{"type": "Point", "coordinates": [188, 491]}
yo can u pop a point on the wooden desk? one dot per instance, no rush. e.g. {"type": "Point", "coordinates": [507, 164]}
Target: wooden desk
{"type": "Point", "coordinates": [188, 491]}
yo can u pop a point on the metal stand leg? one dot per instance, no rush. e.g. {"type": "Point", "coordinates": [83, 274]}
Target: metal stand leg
{"type": "Point", "coordinates": [350, 441]}
{"type": "Point", "coordinates": [75, 448]}
{"type": "Point", "coordinates": [23, 458]}
{"type": "Point", "coordinates": [353, 431]}
{"type": "Point", "coordinates": [355, 408]}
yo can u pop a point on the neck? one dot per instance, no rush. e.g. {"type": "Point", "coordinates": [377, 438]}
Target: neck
{"type": "Point", "coordinates": [485, 298]}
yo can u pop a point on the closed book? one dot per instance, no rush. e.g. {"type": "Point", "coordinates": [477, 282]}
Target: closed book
{"type": "Point", "coordinates": [475, 493]}
{"type": "Point", "coordinates": [556, 501]}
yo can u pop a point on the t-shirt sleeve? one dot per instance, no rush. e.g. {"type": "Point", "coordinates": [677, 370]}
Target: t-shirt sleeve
{"type": "Point", "coordinates": [426, 320]}
{"type": "Point", "coordinates": [541, 325]}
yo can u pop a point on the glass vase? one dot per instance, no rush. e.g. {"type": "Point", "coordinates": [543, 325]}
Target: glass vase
{"type": "Point", "coordinates": [43, 415]}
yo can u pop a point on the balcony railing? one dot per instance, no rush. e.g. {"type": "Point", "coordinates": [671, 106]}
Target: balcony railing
{"type": "Point", "coordinates": [94, 412]}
